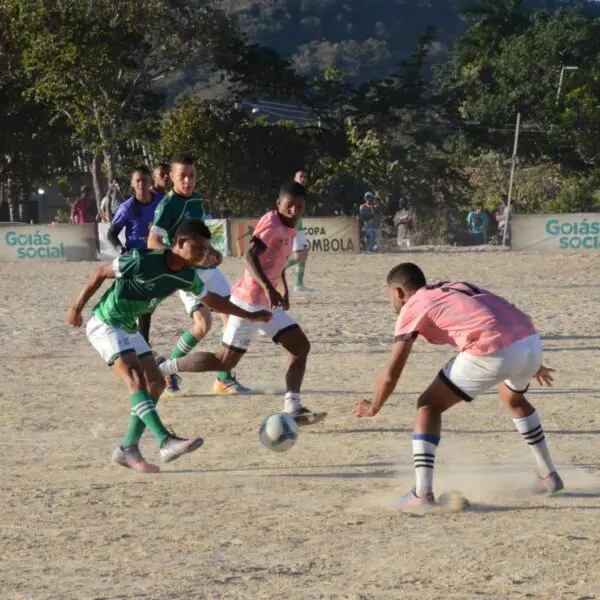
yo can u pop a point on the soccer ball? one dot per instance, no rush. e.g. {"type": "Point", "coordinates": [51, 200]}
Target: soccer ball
{"type": "Point", "coordinates": [278, 432]}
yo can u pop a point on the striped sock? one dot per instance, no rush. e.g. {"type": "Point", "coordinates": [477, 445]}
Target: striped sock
{"type": "Point", "coordinates": [424, 448]}
{"type": "Point", "coordinates": [135, 429]}
{"type": "Point", "coordinates": [290, 263]}
{"type": "Point", "coordinates": [187, 342]}
{"type": "Point", "coordinates": [531, 429]}
{"type": "Point", "coordinates": [145, 409]}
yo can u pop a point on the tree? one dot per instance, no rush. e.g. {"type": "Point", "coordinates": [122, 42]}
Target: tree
{"type": "Point", "coordinates": [241, 160]}
{"type": "Point", "coordinates": [94, 63]}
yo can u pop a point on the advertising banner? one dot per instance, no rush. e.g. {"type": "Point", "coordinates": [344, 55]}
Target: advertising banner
{"type": "Point", "coordinates": [218, 230]}
{"type": "Point", "coordinates": [324, 234]}
{"type": "Point", "coordinates": [47, 242]}
{"type": "Point", "coordinates": [555, 233]}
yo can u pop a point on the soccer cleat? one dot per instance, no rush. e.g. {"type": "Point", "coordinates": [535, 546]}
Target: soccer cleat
{"type": "Point", "coordinates": [230, 386]}
{"type": "Point", "coordinates": [303, 288]}
{"type": "Point", "coordinates": [132, 458]}
{"type": "Point", "coordinates": [305, 416]}
{"type": "Point", "coordinates": [412, 502]}
{"type": "Point", "coordinates": [549, 485]}
{"type": "Point", "coordinates": [175, 447]}
{"type": "Point", "coordinates": [173, 382]}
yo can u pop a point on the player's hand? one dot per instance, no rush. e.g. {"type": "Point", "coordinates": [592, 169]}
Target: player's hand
{"type": "Point", "coordinates": [275, 298]}
{"type": "Point", "coordinates": [74, 317]}
{"type": "Point", "coordinates": [261, 316]}
{"type": "Point", "coordinates": [544, 376]}
{"type": "Point", "coordinates": [364, 408]}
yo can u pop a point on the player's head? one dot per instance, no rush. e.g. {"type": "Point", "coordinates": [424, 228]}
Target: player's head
{"type": "Point", "coordinates": [290, 204]}
{"type": "Point", "coordinates": [183, 174]}
{"type": "Point", "coordinates": [160, 176]}
{"type": "Point", "coordinates": [192, 243]}
{"type": "Point", "coordinates": [140, 181]}
{"type": "Point", "coordinates": [403, 281]}
{"type": "Point", "coordinates": [478, 208]}
{"type": "Point", "coordinates": [369, 198]}
{"type": "Point", "coordinates": [301, 177]}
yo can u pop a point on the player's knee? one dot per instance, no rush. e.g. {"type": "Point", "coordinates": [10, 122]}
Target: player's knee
{"type": "Point", "coordinates": [202, 324]}
{"type": "Point", "coordinates": [228, 358]}
{"type": "Point", "coordinates": [135, 380]}
{"type": "Point", "coordinates": [301, 348]}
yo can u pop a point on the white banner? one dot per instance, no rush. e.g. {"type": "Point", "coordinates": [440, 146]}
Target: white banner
{"type": "Point", "coordinates": [555, 233]}
{"type": "Point", "coordinates": [218, 229]}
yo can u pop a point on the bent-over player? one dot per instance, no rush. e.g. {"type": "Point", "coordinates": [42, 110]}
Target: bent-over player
{"type": "Point", "coordinates": [498, 346]}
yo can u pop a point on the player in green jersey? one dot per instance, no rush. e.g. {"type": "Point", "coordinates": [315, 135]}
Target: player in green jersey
{"type": "Point", "coordinates": [300, 248]}
{"type": "Point", "coordinates": [179, 204]}
{"type": "Point", "coordinates": [142, 281]}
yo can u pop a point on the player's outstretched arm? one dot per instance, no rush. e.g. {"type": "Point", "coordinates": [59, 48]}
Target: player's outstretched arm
{"type": "Point", "coordinates": [106, 271]}
{"type": "Point", "coordinates": [387, 380]}
{"type": "Point", "coordinates": [223, 306]}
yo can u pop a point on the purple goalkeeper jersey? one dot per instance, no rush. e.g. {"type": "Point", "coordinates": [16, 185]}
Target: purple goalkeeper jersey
{"type": "Point", "coordinates": [136, 218]}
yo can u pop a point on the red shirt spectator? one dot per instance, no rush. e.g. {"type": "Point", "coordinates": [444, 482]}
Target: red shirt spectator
{"type": "Point", "coordinates": [84, 208]}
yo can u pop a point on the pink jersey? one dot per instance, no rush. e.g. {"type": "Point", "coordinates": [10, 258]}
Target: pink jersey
{"type": "Point", "coordinates": [462, 315]}
{"type": "Point", "coordinates": [278, 240]}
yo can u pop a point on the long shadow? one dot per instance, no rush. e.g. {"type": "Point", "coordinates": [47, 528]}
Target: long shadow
{"type": "Point", "coordinates": [339, 475]}
{"type": "Point", "coordinates": [492, 508]}
{"type": "Point", "coordinates": [280, 468]}
{"type": "Point", "coordinates": [572, 349]}
{"type": "Point", "coordinates": [570, 337]}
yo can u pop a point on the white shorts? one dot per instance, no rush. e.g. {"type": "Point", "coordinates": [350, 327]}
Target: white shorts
{"type": "Point", "coordinates": [239, 333]}
{"type": "Point", "coordinates": [469, 376]}
{"type": "Point", "coordinates": [215, 282]}
{"type": "Point", "coordinates": [300, 241]}
{"type": "Point", "coordinates": [111, 342]}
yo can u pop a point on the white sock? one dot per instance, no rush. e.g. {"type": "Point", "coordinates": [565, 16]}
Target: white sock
{"type": "Point", "coordinates": [531, 429]}
{"type": "Point", "coordinates": [424, 449]}
{"type": "Point", "coordinates": [168, 366]}
{"type": "Point", "coordinates": [292, 402]}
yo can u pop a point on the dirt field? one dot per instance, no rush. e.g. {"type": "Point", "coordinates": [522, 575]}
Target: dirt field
{"type": "Point", "coordinates": [237, 521]}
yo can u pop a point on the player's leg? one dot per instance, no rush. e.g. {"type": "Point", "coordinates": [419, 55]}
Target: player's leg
{"type": "Point", "coordinates": [298, 261]}
{"type": "Point", "coordinates": [216, 283]}
{"type": "Point", "coordinates": [129, 368]}
{"type": "Point", "coordinates": [528, 359]}
{"type": "Point", "coordinates": [461, 380]}
{"type": "Point", "coordinates": [236, 340]}
{"type": "Point", "coordinates": [284, 330]}
{"type": "Point", "coordinates": [120, 351]}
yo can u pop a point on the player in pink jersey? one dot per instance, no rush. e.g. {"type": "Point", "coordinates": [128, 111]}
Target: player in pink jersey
{"type": "Point", "coordinates": [498, 346]}
{"type": "Point", "coordinates": [263, 287]}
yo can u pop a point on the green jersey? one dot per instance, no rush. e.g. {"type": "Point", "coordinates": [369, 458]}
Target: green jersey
{"type": "Point", "coordinates": [172, 210]}
{"type": "Point", "coordinates": [142, 282]}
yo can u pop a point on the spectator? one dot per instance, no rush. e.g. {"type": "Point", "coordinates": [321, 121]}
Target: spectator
{"type": "Point", "coordinates": [161, 179]}
{"type": "Point", "coordinates": [501, 219]}
{"type": "Point", "coordinates": [84, 208]}
{"type": "Point", "coordinates": [477, 223]}
{"type": "Point", "coordinates": [368, 221]}
{"type": "Point", "coordinates": [403, 221]}
{"type": "Point", "coordinates": [110, 203]}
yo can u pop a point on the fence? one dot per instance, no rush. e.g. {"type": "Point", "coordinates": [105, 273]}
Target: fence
{"type": "Point", "coordinates": [555, 233]}
{"type": "Point", "coordinates": [62, 242]}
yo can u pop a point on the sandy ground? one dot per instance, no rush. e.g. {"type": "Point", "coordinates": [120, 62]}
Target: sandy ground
{"type": "Point", "coordinates": [235, 520]}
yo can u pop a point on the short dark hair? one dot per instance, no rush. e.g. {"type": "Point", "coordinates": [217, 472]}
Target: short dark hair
{"type": "Point", "coordinates": [193, 228]}
{"type": "Point", "coordinates": [407, 276]}
{"type": "Point", "coordinates": [292, 188]}
{"type": "Point", "coordinates": [163, 166]}
{"type": "Point", "coordinates": [182, 159]}
{"type": "Point", "coordinates": [142, 169]}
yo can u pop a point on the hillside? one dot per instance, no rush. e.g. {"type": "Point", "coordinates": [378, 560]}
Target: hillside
{"type": "Point", "coordinates": [362, 38]}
